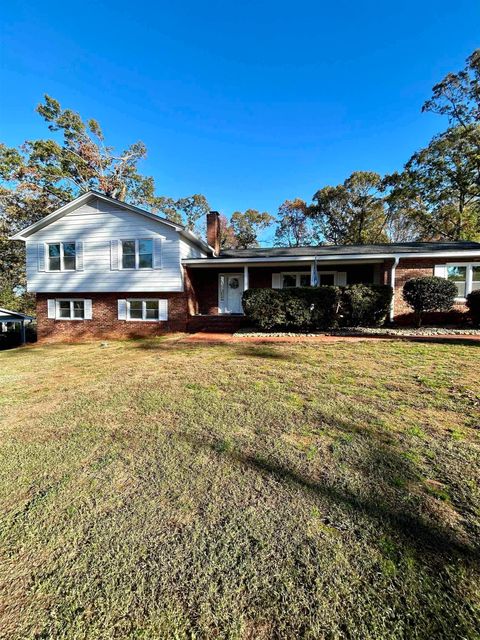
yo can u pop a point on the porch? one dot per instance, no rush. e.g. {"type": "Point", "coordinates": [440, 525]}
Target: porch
{"type": "Point", "coordinates": [215, 292]}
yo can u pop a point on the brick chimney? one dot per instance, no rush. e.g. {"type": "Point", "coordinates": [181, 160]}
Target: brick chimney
{"type": "Point", "coordinates": [213, 231]}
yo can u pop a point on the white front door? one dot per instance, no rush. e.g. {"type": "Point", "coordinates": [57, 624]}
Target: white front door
{"type": "Point", "coordinates": [230, 291]}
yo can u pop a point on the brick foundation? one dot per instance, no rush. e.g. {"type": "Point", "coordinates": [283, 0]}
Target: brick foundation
{"type": "Point", "coordinates": [105, 322]}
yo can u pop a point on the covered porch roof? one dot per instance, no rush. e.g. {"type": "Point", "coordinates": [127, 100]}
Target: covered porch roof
{"type": "Point", "coordinates": [339, 253]}
{"type": "Point", "coordinates": [14, 316]}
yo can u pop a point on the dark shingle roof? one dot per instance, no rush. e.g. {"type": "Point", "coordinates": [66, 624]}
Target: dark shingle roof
{"type": "Point", "coordinates": [366, 249]}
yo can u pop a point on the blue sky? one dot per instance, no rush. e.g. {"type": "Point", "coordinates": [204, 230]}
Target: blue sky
{"type": "Point", "coordinates": [249, 103]}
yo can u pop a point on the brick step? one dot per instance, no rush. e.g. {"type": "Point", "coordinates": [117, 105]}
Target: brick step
{"type": "Point", "coordinates": [215, 324]}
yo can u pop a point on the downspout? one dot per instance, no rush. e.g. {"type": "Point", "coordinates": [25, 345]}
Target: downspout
{"type": "Point", "coordinates": [396, 260]}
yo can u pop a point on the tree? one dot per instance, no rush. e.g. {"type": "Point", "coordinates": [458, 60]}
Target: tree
{"type": "Point", "coordinates": [352, 212]}
{"type": "Point", "coordinates": [247, 225]}
{"type": "Point", "coordinates": [293, 224]}
{"type": "Point", "coordinates": [189, 211]}
{"type": "Point", "coordinates": [439, 188]}
{"type": "Point", "coordinates": [227, 234]}
{"type": "Point", "coordinates": [458, 95]}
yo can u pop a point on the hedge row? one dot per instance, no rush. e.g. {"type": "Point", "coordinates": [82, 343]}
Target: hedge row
{"type": "Point", "coordinates": [313, 308]}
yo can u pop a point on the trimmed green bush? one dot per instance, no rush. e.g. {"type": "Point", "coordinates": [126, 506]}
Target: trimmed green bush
{"type": "Point", "coordinates": [314, 308]}
{"type": "Point", "coordinates": [264, 308]}
{"type": "Point", "coordinates": [365, 305]}
{"type": "Point", "coordinates": [429, 294]}
{"type": "Point", "coordinates": [473, 305]}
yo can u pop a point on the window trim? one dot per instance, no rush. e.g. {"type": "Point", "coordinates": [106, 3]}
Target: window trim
{"type": "Point", "coordinates": [468, 276]}
{"type": "Point", "coordinates": [137, 254]}
{"type": "Point", "coordinates": [62, 256]}
{"type": "Point", "coordinates": [144, 310]}
{"type": "Point", "coordinates": [71, 301]}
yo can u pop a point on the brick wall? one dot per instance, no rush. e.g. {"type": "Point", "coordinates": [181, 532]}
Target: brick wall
{"type": "Point", "coordinates": [419, 268]}
{"type": "Point", "coordinates": [105, 323]}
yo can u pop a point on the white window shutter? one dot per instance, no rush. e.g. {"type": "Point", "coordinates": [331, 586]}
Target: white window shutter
{"type": "Point", "coordinates": [440, 270]}
{"type": "Point", "coordinates": [51, 309]}
{"type": "Point", "coordinates": [88, 311]}
{"type": "Point", "coordinates": [276, 280]}
{"type": "Point", "coordinates": [157, 253]}
{"type": "Point", "coordinates": [79, 255]}
{"type": "Point", "coordinates": [122, 309]}
{"type": "Point", "coordinates": [41, 253]}
{"type": "Point", "coordinates": [163, 309]}
{"type": "Point", "coordinates": [114, 253]}
{"type": "Point", "coordinates": [341, 279]}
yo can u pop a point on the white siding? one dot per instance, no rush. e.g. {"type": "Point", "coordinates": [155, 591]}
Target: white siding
{"type": "Point", "coordinates": [189, 250]}
{"type": "Point", "coordinates": [95, 225]}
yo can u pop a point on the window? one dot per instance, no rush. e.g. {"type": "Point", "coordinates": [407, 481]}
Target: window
{"type": "Point", "coordinates": [61, 256]}
{"type": "Point", "coordinates": [465, 276]}
{"type": "Point", "coordinates": [71, 309]}
{"type": "Point", "coordinates": [326, 279]}
{"type": "Point", "coordinates": [137, 254]}
{"type": "Point", "coordinates": [144, 310]}
{"type": "Point", "coordinates": [459, 276]}
{"type": "Point", "coordinates": [475, 277]}
{"type": "Point", "coordinates": [295, 280]}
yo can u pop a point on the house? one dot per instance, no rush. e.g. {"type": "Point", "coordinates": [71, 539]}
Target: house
{"type": "Point", "coordinates": [100, 267]}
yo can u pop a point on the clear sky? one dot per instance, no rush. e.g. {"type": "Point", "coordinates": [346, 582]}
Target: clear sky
{"type": "Point", "coordinates": [247, 102]}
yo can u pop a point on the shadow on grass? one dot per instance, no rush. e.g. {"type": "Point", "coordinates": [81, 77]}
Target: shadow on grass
{"type": "Point", "coordinates": [463, 341]}
{"type": "Point", "coordinates": [263, 350]}
{"type": "Point", "coordinates": [425, 535]}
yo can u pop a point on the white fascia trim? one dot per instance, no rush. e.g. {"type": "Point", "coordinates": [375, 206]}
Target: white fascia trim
{"type": "Point", "coordinates": [74, 204]}
{"type": "Point", "coordinates": [336, 258]}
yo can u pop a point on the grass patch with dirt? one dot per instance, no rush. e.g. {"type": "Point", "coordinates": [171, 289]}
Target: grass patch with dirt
{"type": "Point", "coordinates": [167, 489]}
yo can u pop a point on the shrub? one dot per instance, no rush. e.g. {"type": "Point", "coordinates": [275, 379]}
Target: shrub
{"type": "Point", "coordinates": [317, 307]}
{"type": "Point", "coordinates": [365, 305]}
{"type": "Point", "coordinates": [296, 308]}
{"type": "Point", "coordinates": [264, 308]}
{"type": "Point", "coordinates": [429, 294]}
{"type": "Point", "coordinates": [473, 305]}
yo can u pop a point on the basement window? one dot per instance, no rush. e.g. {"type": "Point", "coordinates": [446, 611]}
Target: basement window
{"type": "Point", "coordinates": [146, 310]}
{"type": "Point", "coordinates": [71, 309]}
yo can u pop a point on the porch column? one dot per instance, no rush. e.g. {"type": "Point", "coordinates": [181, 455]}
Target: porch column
{"type": "Point", "coordinates": [245, 278]}
{"type": "Point", "coordinates": [22, 332]}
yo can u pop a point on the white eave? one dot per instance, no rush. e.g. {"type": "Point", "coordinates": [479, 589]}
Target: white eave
{"type": "Point", "coordinates": [333, 257]}
{"type": "Point", "coordinates": [90, 195]}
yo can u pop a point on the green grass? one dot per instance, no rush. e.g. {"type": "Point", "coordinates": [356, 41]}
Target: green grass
{"type": "Point", "coordinates": [166, 489]}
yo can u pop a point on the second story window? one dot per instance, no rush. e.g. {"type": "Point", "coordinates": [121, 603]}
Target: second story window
{"type": "Point", "coordinates": [61, 256]}
{"type": "Point", "coordinates": [137, 254]}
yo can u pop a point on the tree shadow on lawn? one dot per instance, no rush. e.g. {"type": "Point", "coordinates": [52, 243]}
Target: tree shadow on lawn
{"type": "Point", "coordinates": [453, 341]}
{"type": "Point", "coordinates": [265, 350]}
{"type": "Point", "coordinates": [426, 536]}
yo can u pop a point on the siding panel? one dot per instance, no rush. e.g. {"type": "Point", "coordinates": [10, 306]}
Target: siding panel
{"type": "Point", "coordinates": [95, 226]}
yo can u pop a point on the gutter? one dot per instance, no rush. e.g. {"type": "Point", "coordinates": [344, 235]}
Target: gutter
{"type": "Point", "coordinates": [339, 257]}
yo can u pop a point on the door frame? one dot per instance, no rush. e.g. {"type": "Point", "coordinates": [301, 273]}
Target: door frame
{"type": "Point", "coordinates": [221, 308]}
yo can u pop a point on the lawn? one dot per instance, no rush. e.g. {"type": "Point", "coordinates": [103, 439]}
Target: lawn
{"type": "Point", "coordinates": [166, 489]}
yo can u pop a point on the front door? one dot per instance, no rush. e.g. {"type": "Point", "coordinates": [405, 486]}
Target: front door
{"type": "Point", "coordinates": [230, 291]}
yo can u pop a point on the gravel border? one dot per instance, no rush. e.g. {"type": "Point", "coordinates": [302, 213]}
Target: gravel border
{"type": "Point", "coordinates": [359, 331]}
